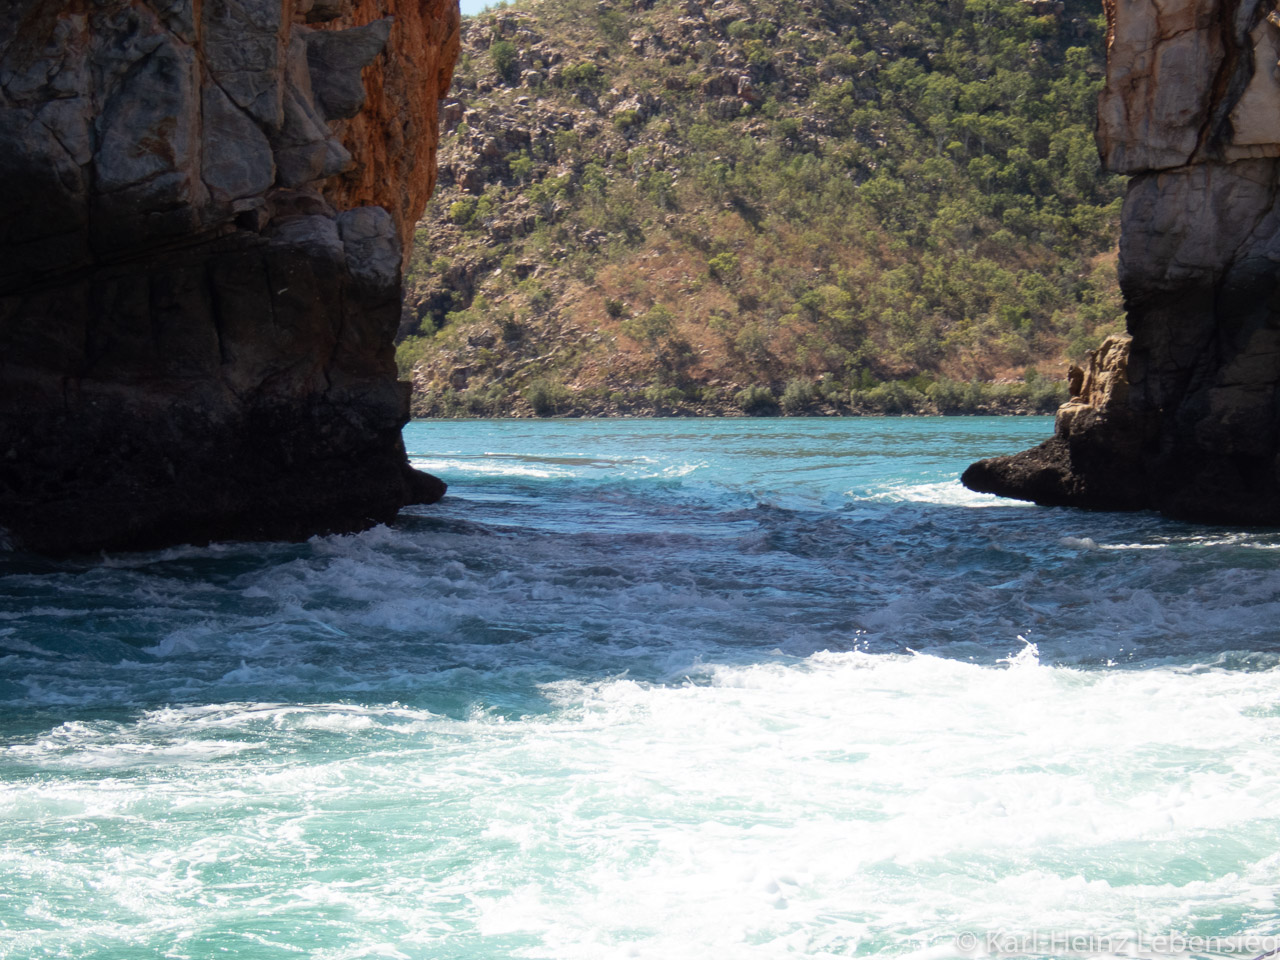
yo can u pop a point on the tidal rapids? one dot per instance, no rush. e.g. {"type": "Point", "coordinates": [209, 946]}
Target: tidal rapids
{"type": "Point", "coordinates": [657, 689]}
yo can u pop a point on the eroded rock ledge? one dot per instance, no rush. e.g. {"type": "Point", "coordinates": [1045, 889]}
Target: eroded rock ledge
{"type": "Point", "coordinates": [1183, 415]}
{"type": "Point", "coordinates": [203, 210]}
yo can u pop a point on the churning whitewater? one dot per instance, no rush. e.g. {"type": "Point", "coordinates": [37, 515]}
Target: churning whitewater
{"type": "Point", "coordinates": [658, 689]}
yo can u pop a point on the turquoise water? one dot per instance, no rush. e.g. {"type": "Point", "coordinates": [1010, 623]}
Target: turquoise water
{"type": "Point", "coordinates": [668, 689]}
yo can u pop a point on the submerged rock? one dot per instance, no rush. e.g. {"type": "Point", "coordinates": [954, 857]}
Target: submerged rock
{"type": "Point", "coordinates": [204, 212]}
{"type": "Point", "coordinates": [1184, 415]}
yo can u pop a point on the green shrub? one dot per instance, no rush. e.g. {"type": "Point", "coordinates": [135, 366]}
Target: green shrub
{"type": "Point", "coordinates": [894, 397]}
{"type": "Point", "coordinates": [613, 24]}
{"type": "Point", "coordinates": [660, 187]}
{"type": "Point", "coordinates": [752, 343]}
{"type": "Point", "coordinates": [798, 397]}
{"type": "Point", "coordinates": [624, 120]}
{"type": "Point", "coordinates": [566, 141]}
{"type": "Point", "coordinates": [651, 326]}
{"type": "Point", "coordinates": [521, 166]}
{"type": "Point", "coordinates": [745, 30]}
{"type": "Point", "coordinates": [479, 401]}
{"type": "Point", "coordinates": [512, 330]}
{"type": "Point", "coordinates": [545, 396]}
{"type": "Point", "coordinates": [505, 61]}
{"type": "Point", "coordinates": [756, 401]}
{"type": "Point", "coordinates": [411, 352]}
{"type": "Point", "coordinates": [463, 211]}
{"type": "Point", "coordinates": [663, 395]}
{"type": "Point", "coordinates": [723, 266]}
{"type": "Point", "coordinates": [584, 74]}
{"type": "Point", "coordinates": [537, 295]}
{"type": "Point", "coordinates": [1046, 395]}
{"type": "Point", "coordinates": [758, 54]}
{"type": "Point", "coordinates": [950, 397]}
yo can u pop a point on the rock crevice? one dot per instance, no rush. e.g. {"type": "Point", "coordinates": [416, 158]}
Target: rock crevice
{"type": "Point", "coordinates": [201, 238]}
{"type": "Point", "coordinates": [1183, 415]}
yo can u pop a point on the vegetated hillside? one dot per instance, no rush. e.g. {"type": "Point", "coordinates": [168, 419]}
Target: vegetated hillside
{"type": "Point", "coordinates": [708, 206]}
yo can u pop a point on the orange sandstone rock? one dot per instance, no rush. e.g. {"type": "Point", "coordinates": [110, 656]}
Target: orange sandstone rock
{"type": "Point", "coordinates": [393, 140]}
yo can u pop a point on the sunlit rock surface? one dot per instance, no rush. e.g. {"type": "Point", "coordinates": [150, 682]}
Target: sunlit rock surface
{"type": "Point", "coordinates": [202, 221]}
{"type": "Point", "coordinates": [1183, 415]}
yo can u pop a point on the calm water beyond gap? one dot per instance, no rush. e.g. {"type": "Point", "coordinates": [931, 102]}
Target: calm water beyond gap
{"type": "Point", "coordinates": [657, 689]}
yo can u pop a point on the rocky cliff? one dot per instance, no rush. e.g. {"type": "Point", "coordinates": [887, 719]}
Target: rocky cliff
{"type": "Point", "coordinates": [204, 212]}
{"type": "Point", "coordinates": [1183, 415]}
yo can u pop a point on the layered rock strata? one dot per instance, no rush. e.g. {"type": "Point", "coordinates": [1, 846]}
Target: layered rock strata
{"type": "Point", "coordinates": [203, 212]}
{"type": "Point", "coordinates": [1183, 415]}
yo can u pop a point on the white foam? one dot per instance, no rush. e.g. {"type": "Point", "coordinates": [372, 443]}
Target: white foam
{"type": "Point", "coordinates": [491, 468]}
{"type": "Point", "coordinates": [947, 492]}
{"type": "Point", "coordinates": [815, 806]}
{"type": "Point", "coordinates": [498, 466]}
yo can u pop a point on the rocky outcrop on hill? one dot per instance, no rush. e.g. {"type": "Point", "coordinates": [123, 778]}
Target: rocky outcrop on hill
{"type": "Point", "coordinates": [202, 226]}
{"type": "Point", "coordinates": [1184, 415]}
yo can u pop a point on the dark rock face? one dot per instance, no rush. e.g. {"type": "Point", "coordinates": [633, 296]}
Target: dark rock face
{"type": "Point", "coordinates": [200, 255]}
{"type": "Point", "coordinates": [1183, 416]}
